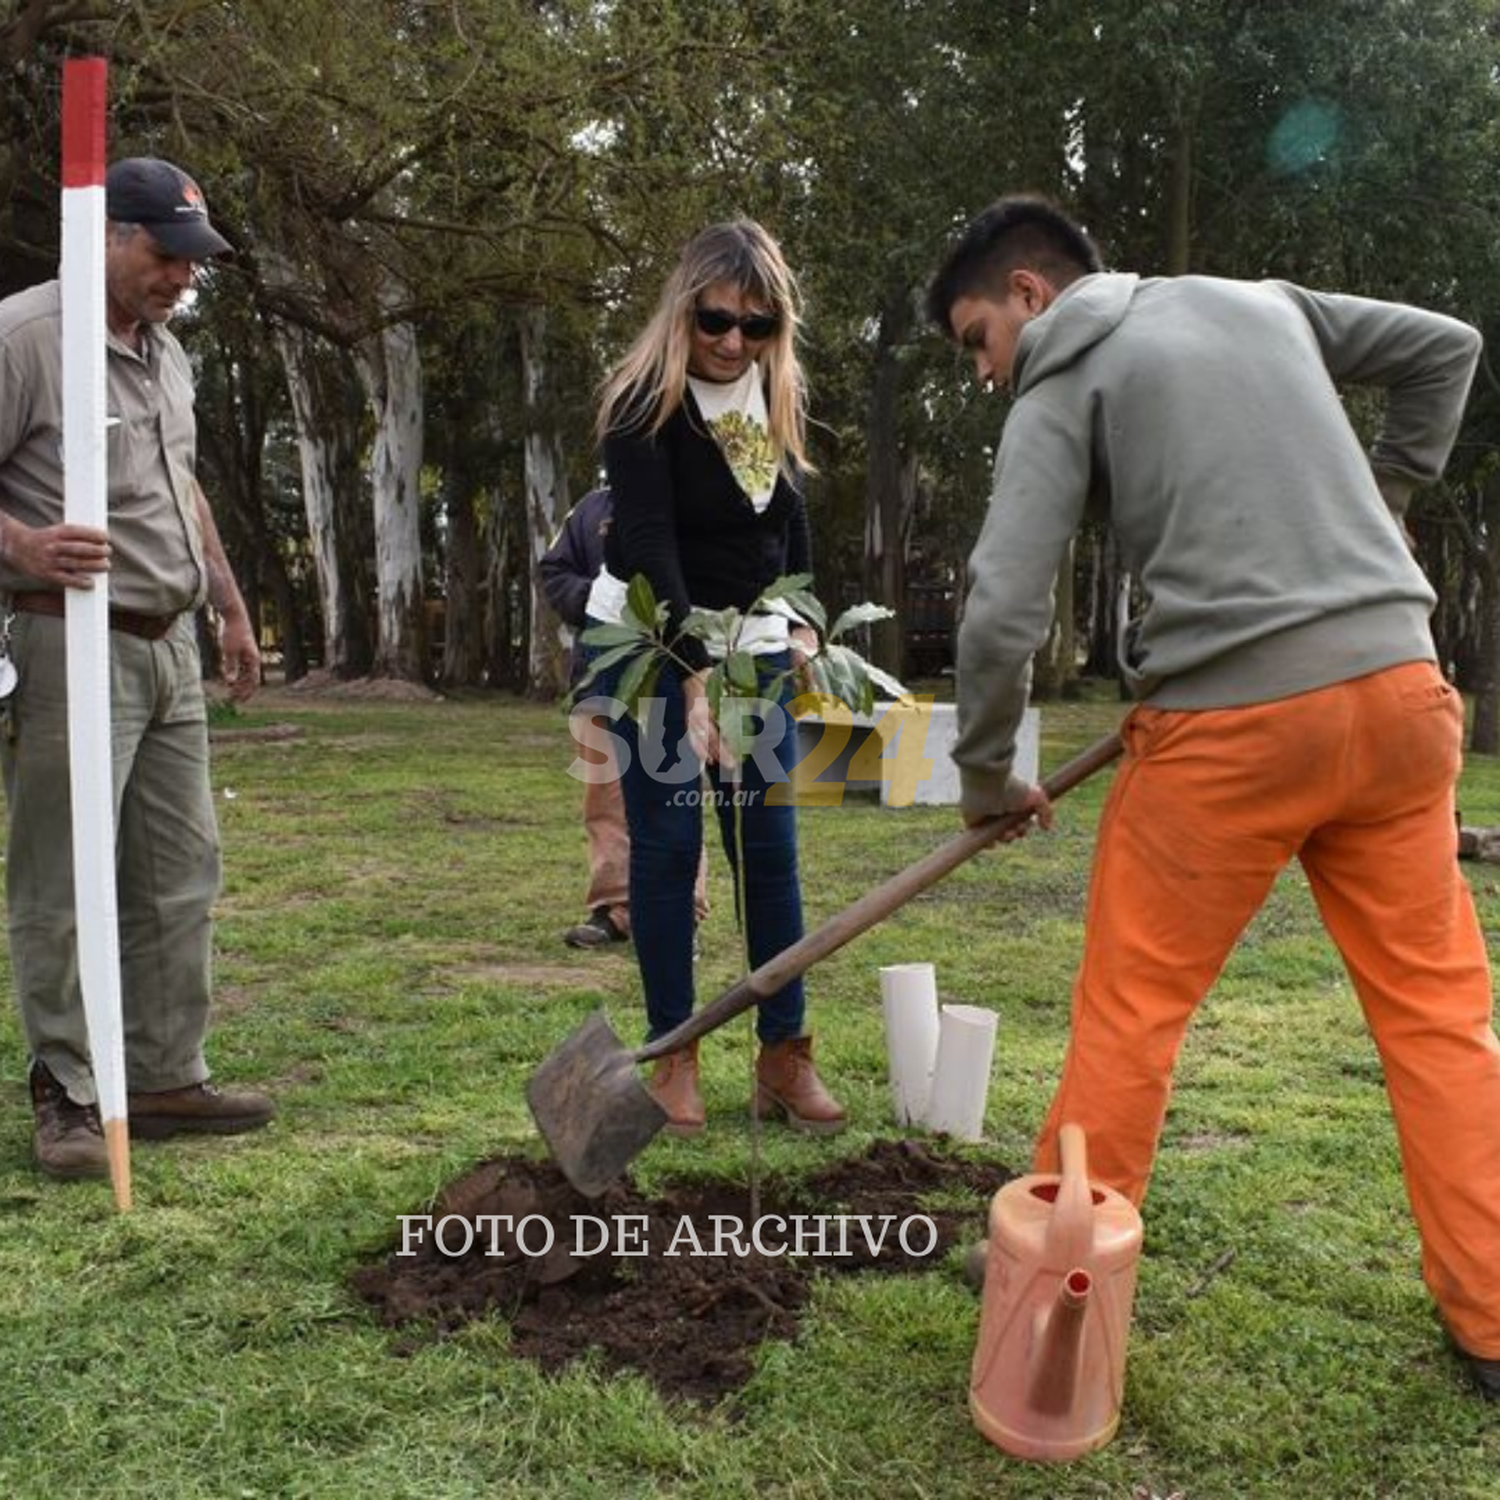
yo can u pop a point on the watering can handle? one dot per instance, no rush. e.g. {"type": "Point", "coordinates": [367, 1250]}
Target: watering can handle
{"type": "Point", "coordinates": [1073, 1148]}
{"type": "Point", "coordinates": [874, 906]}
{"type": "Point", "coordinates": [1070, 1230]}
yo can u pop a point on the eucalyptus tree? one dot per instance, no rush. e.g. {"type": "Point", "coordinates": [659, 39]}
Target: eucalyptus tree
{"type": "Point", "coordinates": [34, 36]}
{"type": "Point", "coordinates": [1351, 146]}
{"type": "Point", "coordinates": [911, 116]}
{"type": "Point", "coordinates": [247, 452]}
{"type": "Point", "coordinates": [1345, 145]}
{"type": "Point", "coordinates": [401, 167]}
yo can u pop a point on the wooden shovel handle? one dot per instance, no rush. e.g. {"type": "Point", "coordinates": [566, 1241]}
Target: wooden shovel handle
{"type": "Point", "coordinates": [873, 907]}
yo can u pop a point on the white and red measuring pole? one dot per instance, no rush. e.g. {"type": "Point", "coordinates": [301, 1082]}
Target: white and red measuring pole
{"type": "Point", "coordinates": [85, 503]}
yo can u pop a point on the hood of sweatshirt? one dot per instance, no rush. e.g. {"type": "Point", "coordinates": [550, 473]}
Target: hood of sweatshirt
{"type": "Point", "coordinates": [1083, 313]}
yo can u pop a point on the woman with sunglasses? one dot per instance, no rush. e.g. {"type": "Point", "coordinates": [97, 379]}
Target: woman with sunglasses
{"type": "Point", "coordinates": [702, 427]}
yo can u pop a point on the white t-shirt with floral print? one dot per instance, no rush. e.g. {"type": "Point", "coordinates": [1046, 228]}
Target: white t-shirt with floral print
{"type": "Point", "coordinates": [736, 416]}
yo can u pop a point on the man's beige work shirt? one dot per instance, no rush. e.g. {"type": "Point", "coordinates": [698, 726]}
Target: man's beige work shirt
{"type": "Point", "coordinates": [156, 562]}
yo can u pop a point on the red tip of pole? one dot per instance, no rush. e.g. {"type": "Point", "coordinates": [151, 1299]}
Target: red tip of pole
{"type": "Point", "coordinates": [83, 89]}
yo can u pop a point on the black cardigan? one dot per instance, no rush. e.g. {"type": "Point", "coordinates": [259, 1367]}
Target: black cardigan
{"type": "Point", "coordinates": [682, 519]}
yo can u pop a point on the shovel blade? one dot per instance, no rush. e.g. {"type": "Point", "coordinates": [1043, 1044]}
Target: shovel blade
{"type": "Point", "coordinates": [591, 1107]}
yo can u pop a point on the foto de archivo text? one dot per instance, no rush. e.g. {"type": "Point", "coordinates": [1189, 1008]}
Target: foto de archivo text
{"type": "Point", "coordinates": [827, 1235]}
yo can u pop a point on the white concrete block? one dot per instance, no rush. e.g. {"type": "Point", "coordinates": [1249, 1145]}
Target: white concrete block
{"type": "Point", "coordinates": [900, 782]}
{"type": "Point", "coordinates": [941, 787]}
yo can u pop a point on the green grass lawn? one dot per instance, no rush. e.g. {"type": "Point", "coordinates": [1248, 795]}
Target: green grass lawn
{"type": "Point", "coordinates": [389, 965]}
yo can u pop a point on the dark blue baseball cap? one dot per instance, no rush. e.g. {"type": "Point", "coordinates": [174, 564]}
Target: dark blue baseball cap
{"type": "Point", "coordinates": [166, 203]}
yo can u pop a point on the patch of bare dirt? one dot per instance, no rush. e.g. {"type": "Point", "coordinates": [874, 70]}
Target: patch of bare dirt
{"type": "Point", "coordinates": [548, 976]}
{"type": "Point", "coordinates": [264, 733]}
{"type": "Point", "coordinates": [690, 1322]}
{"type": "Point", "coordinates": [1212, 1140]}
{"type": "Point", "coordinates": [322, 684]}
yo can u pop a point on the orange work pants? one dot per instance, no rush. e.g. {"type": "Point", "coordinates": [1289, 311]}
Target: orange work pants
{"type": "Point", "coordinates": [1357, 782]}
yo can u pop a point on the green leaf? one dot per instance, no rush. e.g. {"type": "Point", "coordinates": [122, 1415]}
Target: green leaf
{"type": "Point", "coordinates": [606, 661]}
{"type": "Point", "coordinates": [641, 605]}
{"type": "Point", "coordinates": [741, 669]}
{"type": "Point", "coordinates": [858, 694]}
{"type": "Point", "coordinates": [778, 588]}
{"type": "Point", "coordinates": [708, 624]}
{"type": "Point", "coordinates": [633, 682]}
{"type": "Point", "coordinates": [841, 682]}
{"type": "Point", "coordinates": [614, 635]}
{"type": "Point", "coordinates": [889, 685]}
{"type": "Point", "coordinates": [715, 627]}
{"type": "Point", "coordinates": [653, 676]}
{"type": "Point", "coordinates": [822, 675]}
{"type": "Point", "coordinates": [852, 673]}
{"type": "Point", "coordinates": [735, 733]}
{"type": "Point", "coordinates": [770, 688]}
{"type": "Point", "coordinates": [859, 614]}
{"type": "Point", "coordinates": [807, 604]}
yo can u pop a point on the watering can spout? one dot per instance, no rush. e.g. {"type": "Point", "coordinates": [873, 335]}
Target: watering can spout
{"type": "Point", "coordinates": [1057, 1345]}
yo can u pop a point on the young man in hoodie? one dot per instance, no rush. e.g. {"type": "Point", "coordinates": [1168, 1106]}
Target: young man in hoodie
{"type": "Point", "coordinates": [1290, 702]}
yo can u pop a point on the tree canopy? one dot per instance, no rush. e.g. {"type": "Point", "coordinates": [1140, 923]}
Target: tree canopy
{"type": "Point", "coordinates": [462, 210]}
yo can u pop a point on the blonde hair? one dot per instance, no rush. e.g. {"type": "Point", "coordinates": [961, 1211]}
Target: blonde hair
{"type": "Point", "coordinates": [646, 385]}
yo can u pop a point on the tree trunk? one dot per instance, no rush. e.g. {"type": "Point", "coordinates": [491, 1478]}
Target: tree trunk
{"type": "Point", "coordinates": [546, 505]}
{"type": "Point", "coordinates": [887, 498]}
{"type": "Point", "coordinates": [390, 369]}
{"type": "Point", "coordinates": [463, 657]}
{"type": "Point", "coordinates": [328, 450]}
{"type": "Point", "coordinates": [232, 444]}
{"type": "Point", "coordinates": [505, 585]}
{"type": "Point", "coordinates": [1055, 666]}
{"type": "Point", "coordinates": [1180, 207]}
{"type": "Point", "coordinates": [1103, 653]}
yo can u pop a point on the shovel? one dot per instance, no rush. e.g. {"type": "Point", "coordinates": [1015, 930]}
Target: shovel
{"type": "Point", "coordinates": [592, 1109]}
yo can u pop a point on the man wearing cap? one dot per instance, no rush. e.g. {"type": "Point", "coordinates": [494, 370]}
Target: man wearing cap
{"type": "Point", "coordinates": [164, 560]}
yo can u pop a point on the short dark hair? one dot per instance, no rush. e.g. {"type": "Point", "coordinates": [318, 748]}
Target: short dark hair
{"type": "Point", "coordinates": [1021, 230]}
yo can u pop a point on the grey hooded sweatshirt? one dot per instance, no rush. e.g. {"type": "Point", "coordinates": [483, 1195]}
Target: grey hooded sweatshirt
{"type": "Point", "coordinates": [1203, 417]}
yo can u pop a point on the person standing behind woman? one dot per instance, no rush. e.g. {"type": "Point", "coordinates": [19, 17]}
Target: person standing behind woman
{"type": "Point", "coordinates": [568, 569]}
{"type": "Point", "coordinates": [702, 427]}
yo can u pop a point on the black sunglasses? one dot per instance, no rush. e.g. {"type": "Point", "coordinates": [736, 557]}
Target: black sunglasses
{"type": "Point", "coordinates": [715, 322]}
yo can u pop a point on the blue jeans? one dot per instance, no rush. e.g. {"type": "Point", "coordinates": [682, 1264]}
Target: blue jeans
{"type": "Point", "coordinates": [664, 799]}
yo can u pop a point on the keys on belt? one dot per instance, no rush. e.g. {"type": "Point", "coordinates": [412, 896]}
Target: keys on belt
{"type": "Point", "coordinates": [8, 675]}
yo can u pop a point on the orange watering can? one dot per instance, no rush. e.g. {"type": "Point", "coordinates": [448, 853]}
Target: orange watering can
{"type": "Point", "coordinates": [1059, 1284]}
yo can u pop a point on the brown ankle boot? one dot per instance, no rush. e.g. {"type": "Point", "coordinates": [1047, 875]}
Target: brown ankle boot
{"type": "Point", "coordinates": [674, 1086]}
{"type": "Point", "coordinates": [786, 1083]}
{"type": "Point", "coordinates": [68, 1140]}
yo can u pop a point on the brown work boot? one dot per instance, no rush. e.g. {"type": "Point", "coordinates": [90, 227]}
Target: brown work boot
{"type": "Point", "coordinates": [199, 1108]}
{"type": "Point", "coordinates": [674, 1086]}
{"type": "Point", "coordinates": [68, 1139]}
{"type": "Point", "coordinates": [786, 1083]}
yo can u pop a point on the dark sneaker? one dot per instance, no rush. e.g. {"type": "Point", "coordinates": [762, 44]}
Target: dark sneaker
{"type": "Point", "coordinates": [201, 1109]}
{"type": "Point", "coordinates": [68, 1140]}
{"type": "Point", "coordinates": [1485, 1373]}
{"type": "Point", "coordinates": [597, 930]}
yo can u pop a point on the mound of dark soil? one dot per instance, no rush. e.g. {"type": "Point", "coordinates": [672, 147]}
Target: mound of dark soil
{"type": "Point", "coordinates": [705, 1278]}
